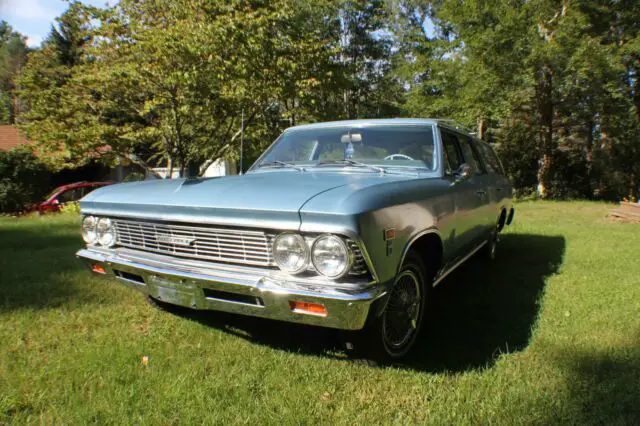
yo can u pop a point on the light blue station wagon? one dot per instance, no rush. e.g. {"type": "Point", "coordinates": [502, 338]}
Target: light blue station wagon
{"type": "Point", "coordinates": [344, 224]}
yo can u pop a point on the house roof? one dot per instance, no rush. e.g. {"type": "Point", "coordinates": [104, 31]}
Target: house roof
{"type": "Point", "coordinates": [10, 137]}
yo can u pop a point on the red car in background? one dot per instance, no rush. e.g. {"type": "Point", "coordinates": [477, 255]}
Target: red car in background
{"type": "Point", "coordinates": [68, 193]}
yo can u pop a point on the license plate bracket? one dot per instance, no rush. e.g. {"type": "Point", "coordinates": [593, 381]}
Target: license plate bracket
{"type": "Point", "coordinates": [174, 290]}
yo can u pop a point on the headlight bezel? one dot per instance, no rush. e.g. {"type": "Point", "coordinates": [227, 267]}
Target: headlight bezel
{"type": "Point", "coordinates": [345, 247]}
{"type": "Point", "coordinates": [93, 227]}
{"type": "Point", "coordinates": [109, 230]}
{"type": "Point", "coordinates": [306, 252]}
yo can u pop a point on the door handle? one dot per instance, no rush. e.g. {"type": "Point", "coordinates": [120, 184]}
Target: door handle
{"type": "Point", "coordinates": [499, 189]}
{"type": "Point", "coordinates": [481, 193]}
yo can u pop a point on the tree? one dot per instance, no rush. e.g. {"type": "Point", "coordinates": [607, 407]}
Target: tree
{"type": "Point", "coordinates": [56, 115]}
{"type": "Point", "coordinates": [540, 71]}
{"type": "Point", "coordinates": [365, 60]}
{"type": "Point", "coordinates": [13, 54]}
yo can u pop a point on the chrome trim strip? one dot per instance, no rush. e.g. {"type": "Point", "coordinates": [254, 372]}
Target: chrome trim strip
{"type": "Point", "coordinates": [458, 263]}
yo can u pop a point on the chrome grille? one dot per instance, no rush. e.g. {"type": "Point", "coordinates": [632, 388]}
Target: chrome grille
{"type": "Point", "coordinates": [209, 243]}
{"type": "Point", "coordinates": [219, 244]}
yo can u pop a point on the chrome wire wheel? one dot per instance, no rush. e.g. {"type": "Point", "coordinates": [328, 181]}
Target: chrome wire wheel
{"type": "Point", "coordinates": [493, 248]}
{"type": "Point", "coordinates": [401, 318]}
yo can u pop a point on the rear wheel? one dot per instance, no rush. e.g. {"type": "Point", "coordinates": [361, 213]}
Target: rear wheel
{"type": "Point", "coordinates": [391, 334]}
{"type": "Point", "coordinates": [490, 250]}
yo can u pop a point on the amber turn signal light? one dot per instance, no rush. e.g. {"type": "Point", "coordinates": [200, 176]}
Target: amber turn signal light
{"type": "Point", "coordinates": [98, 269]}
{"type": "Point", "coordinates": [308, 308]}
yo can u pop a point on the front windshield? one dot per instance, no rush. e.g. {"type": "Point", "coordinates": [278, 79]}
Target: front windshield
{"type": "Point", "coordinates": [384, 146]}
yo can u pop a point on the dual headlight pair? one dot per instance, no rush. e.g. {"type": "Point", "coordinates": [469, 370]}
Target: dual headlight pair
{"type": "Point", "coordinates": [98, 231]}
{"type": "Point", "coordinates": [328, 254]}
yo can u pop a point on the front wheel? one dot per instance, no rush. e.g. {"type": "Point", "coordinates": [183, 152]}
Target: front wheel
{"type": "Point", "coordinates": [392, 333]}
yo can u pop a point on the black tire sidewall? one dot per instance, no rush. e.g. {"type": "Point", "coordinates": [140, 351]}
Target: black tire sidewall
{"type": "Point", "coordinates": [371, 342]}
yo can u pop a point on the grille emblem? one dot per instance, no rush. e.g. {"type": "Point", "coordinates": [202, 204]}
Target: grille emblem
{"type": "Point", "coordinates": [179, 241]}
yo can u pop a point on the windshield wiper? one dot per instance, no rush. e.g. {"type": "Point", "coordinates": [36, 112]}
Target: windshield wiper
{"type": "Point", "coordinates": [277, 163]}
{"type": "Point", "coordinates": [352, 163]}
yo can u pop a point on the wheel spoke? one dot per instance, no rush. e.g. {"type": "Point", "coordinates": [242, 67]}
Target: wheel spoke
{"type": "Point", "coordinates": [403, 311]}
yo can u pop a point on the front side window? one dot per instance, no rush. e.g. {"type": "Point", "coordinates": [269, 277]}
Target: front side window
{"type": "Point", "coordinates": [470, 155]}
{"type": "Point", "coordinates": [452, 157]}
{"type": "Point", "coordinates": [376, 145]}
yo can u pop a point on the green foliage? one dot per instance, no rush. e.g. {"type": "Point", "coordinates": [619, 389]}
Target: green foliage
{"type": "Point", "coordinates": [24, 180]}
{"type": "Point", "coordinates": [13, 54]}
{"type": "Point", "coordinates": [554, 84]}
{"type": "Point", "coordinates": [558, 74]}
{"type": "Point", "coordinates": [72, 207]}
{"type": "Point", "coordinates": [59, 117]}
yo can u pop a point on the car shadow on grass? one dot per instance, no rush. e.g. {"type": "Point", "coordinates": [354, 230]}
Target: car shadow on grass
{"type": "Point", "coordinates": [37, 269]}
{"type": "Point", "coordinates": [481, 310]}
{"type": "Point", "coordinates": [484, 309]}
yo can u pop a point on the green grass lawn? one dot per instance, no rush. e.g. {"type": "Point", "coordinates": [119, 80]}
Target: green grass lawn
{"type": "Point", "coordinates": [549, 333]}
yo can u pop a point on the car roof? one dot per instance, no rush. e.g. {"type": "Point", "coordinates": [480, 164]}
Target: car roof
{"type": "Point", "coordinates": [383, 121]}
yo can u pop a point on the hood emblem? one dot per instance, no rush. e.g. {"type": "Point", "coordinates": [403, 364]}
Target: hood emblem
{"type": "Point", "coordinates": [179, 241]}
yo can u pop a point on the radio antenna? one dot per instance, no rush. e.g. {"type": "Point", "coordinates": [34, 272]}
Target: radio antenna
{"type": "Point", "coordinates": [241, 140]}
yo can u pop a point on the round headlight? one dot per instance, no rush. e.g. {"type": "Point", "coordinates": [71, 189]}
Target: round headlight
{"type": "Point", "coordinates": [291, 253]}
{"type": "Point", "coordinates": [330, 256]}
{"type": "Point", "coordinates": [106, 232]}
{"type": "Point", "coordinates": [89, 234]}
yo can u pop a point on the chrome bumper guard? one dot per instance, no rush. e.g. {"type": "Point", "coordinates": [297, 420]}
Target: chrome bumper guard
{"type": "Point", "coordinates": [237, 289]}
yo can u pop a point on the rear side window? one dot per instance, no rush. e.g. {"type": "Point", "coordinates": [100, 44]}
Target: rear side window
{"type": "Point", "coordinates": [490, 158]}
{"type": "Point", "coordinates": [470, 155]}
{"type": "Point", "coordinates": [452, 158]}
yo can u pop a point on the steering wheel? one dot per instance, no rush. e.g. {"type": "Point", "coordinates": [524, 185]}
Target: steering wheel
{"type": "Point", "coordinates": [398, 156]}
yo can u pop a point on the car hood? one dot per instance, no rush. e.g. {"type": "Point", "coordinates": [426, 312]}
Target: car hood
{"type": "Point", "coordinates": [270, 199]}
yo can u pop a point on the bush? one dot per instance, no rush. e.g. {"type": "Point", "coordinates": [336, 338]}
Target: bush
{"type": "Point", "coordinates": [23, 181]}
{"type": "Point", "coordinates": [72, 207]}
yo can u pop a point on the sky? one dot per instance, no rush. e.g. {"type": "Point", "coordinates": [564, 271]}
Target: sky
{"type": "Point", "coordinates": [33, 18]}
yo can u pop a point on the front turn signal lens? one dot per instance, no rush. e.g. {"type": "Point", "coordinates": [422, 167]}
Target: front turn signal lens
{"type": "Point", "coordinates": [308, 308]}
{"type": "Point", "coordinates": [98, 269]}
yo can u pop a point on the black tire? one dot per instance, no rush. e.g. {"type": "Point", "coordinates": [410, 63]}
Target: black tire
{"type": "Point", "coordinates": [392, 330]}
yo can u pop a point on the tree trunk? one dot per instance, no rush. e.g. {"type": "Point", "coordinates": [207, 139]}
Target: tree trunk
{"type": "Point", "coordinates": [544, 176]}
{"type": "Point", "coordinates": [169, 168]}
{"type": "Point", "coordinates": [633, 187]}
{"type": "Point", "coordinates": [481, 128]}
{"type": "Point", "coordinates": [589, 186]}
{"type": "Point", "coordinates": [546, 110]}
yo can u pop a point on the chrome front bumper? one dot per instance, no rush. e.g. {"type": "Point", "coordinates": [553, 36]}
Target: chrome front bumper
{"type": "Point", "coordinates": [237, 289]}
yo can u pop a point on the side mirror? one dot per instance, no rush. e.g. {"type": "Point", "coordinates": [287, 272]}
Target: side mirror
{"type": "Point", "coordinates": [463, 173]}
{"type": "Point", "coordinates": [56, 201]}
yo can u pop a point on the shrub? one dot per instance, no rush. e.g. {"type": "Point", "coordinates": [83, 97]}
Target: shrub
{"type": "Point", "coordinates": [72, 207]}
{"type": "Point", "coordinates": [23, 180]}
